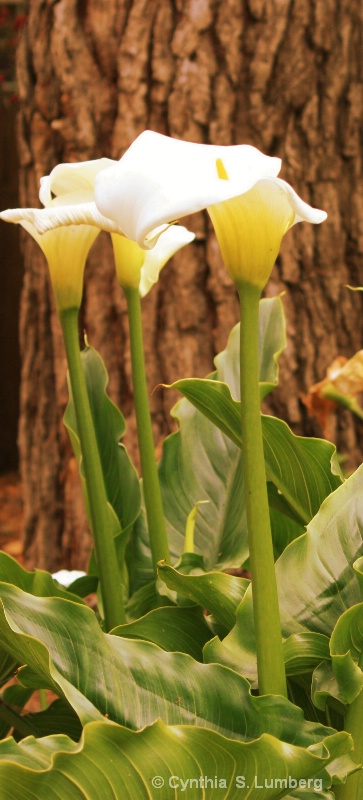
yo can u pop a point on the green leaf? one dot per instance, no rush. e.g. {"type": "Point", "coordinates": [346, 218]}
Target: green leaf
{"type": "Point", "coordinates": [59, 717]}
{"type": "Point", "coordinates": [199, 463]}
{"type": "Point", "coordinates": [309, 795]}
{"type": "Point", "coordinates": [300, 694]}
{"type": "Point", "coordinates": [84, 586]}
{"type": "Point", "coordinates": [135, 682]}
{"type": "Point", "coordinates": [172, 628]}
{"type": "Point", "coordinates": [303, 651]}
{"type": "Point", "coordinates": [358, 568]}
{"type": "Point", "coordinates": [284, 525]}
{"type": "Point", "coordinates": [16, 695]}
{"type": "Point", "coordinates": [216, 591]}
{"type": "Point", "coordinates": [347, 638]}
{"type": "Point", "coordinates": [304, 470]}
{"type": "Point", "coordinates": [113, 762]}
{"type": "Point", "coordinates": [5, 727]}
{"type": "Point", "coordinates": [13, 699]}
{"type": "Point", "coordinates": [121, 480]}
{"type": "Point", "coordinates": [38, 582]}
{"type": "Point", "coordinates": [325, 689]}
{"type": "Point", "coordinates": [144, 600]}
{"type": "Point", "coordinates": [13, 695]}
{"type": "Point", "coordinates": [342, 679]}
{"type": "Point", "coordinates": [7, 666]}
{"type": "Point", "coordinates": [315, 577]}
{"type": "Point", "coordinates": [271, 343]}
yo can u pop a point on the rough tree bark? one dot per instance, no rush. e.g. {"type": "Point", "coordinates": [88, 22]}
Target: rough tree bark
{"type": "Point", "coordinates": [11, 278]}
{"type": "Point", "coordinates": [283, 75]}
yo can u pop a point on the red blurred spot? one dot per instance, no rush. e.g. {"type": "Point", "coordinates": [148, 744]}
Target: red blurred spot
{"type": "Point", "coordinates": [4, 13]}
{"type": "Point", "coordinates": [20, 21]}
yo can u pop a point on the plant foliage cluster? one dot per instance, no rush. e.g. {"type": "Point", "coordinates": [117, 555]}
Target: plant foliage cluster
{"type": "Point", "coordinates": [167, 689]}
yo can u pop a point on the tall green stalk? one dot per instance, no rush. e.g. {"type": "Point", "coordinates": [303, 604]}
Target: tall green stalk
{"type": "Point", "coordinates": [110, 581]}
{"type": "Point", "coordinates": [353, 788]}
{"type": "Point", "coordinates": [151, 486]}
{"type": "Point", "coordinates": [270, 661]}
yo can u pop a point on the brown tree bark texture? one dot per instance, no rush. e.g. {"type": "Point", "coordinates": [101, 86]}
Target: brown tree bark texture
{"type": "Point", "coordinates": [283, 75]}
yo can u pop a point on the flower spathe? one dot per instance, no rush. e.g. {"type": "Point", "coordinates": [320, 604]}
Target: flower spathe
{"type": "Point", "coordinates": [66, 250]}
{"type": "Point", "coordinates": [67, 227]}
{"type": "Point", "coordinates": [139, 268]}
{"type": "Point", "coordinates": [67, 576]}
{"type": "Point", "coordinates": [250, 228]}
{"type": "Point", "coordinates": [160, 180]}
{"type": "Point", "coordinates": [78, 176]}
{"type": "Point", "coordinates": [67, 195]}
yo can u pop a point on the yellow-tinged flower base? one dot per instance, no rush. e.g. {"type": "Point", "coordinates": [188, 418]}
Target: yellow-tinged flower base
{"type": "Point", "coordinates": [129, 258]}
{"type": "Point", "coordinates": [66, 250]}
{"type": "Point", "coordinates": [249, 229]}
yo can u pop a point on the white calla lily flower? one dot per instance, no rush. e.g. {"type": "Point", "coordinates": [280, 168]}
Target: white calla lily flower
{"type": "Point", "coordinates": [67, 576]}
{"type": "Point", "coordinates": [67, 227]}
{"type": "Point", "coordinates": [66, 250]}
{"type": "Point", "coordinates": [250, 228]}
{"type": "Point", "coordinates": [67, 195]}
{"type": "Point", "coordinates": [59, 215]}
{"type": "Point", "coordinates": [72, 177]}
{"type": "Point", "coordinates": [139, 268]}
{"type": "Point", "coordinates": [160, 180]}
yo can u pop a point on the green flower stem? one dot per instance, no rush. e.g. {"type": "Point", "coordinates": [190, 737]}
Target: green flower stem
{"type": "Point", "coordinates": [110, 581]}
{"type": "Point", "coordinates": [151, 486]}
{"type": "Point", "coordinates": [43, 699]}
{"type": "Point", "coordinates": [353, 788]}
{"type": "Point", "coordinates": [270, 661]}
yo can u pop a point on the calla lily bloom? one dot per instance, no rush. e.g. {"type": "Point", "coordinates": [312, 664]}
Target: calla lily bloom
{"type": "Point", "coordinates": [69, 224]}
{"type": "Point", "coordinates": [160, 180]}
{"type": "Point", "coordinates": [67, 576]}
{"type": "Point", "coordinates": [72, 177]}
{"type": "Point", "coordinates": [66, 250]}
{"type": "Point", "coordinates": [250, 228]}
{"type": "Point", "coordinates": [139, 268]}
{"type": "Point", "coordinates": [68, 196]}
{"type": "Point", "coordinates": [67, 227]}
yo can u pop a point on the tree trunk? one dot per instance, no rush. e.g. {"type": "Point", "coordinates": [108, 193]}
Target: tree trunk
{"type": "Point", "coordinates": [11, 279]}
{"type": "Point", "coordinates": [283, 76]}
